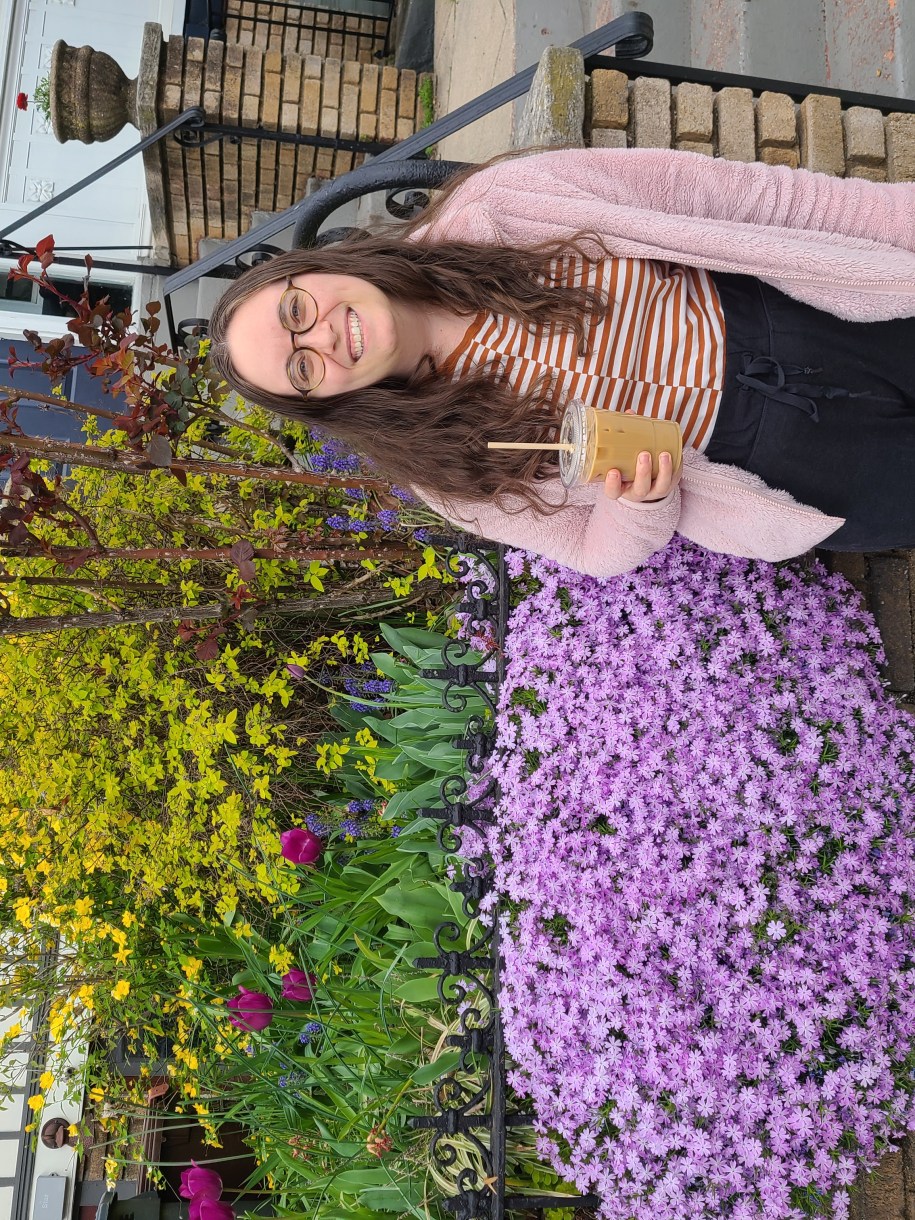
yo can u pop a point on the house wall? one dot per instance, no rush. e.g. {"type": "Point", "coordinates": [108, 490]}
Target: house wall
{"type": "Point", "coordinates": [35, 167]}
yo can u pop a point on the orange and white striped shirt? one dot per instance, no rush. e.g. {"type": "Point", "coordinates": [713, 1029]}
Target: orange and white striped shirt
{"type": "Point", "coordinates": [657, 350]}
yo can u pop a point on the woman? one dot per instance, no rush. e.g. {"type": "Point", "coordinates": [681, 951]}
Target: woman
{"type": "Point", "coordinates": [768, 310]}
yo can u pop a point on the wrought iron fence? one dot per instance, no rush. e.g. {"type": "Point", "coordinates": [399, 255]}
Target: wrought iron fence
{"type": "Point", "coordinates": [474, 1112]}
{"type": "Point", "coordinates": [360, 32]}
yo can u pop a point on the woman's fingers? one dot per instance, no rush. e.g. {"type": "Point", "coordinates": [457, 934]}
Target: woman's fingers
{"type": "Point", "coordinates": [642, 487]}
{"type": "Point", "coordinates": [614, 485]}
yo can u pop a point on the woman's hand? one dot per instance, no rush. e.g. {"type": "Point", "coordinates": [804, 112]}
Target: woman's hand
{"type": "Point", "coordinates": [643, 487]}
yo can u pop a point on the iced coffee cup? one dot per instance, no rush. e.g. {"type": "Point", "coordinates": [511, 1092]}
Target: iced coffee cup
{"type": "Point", "coordinates": [591, 443]}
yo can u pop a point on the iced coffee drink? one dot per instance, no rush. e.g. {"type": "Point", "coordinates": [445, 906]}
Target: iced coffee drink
{"type": "Point", "coordinates": [593, 442]}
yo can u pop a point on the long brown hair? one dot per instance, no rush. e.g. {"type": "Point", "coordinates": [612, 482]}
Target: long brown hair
{"type": "Point", "coordinates": [430, 430]}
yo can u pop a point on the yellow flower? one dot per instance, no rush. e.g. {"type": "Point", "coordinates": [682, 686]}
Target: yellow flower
{"type": "Point", "coordinates": [73, 1129]}
{"type": "Point", "coordinates": [128, 919]}
{"type": "Point", "coordinates": [281, 958]}
{"type": "Point", "coordinates": [45, 1080]}
{"type": "Point", "coordinates": [97, 1094]}
{"type": "Point", "coordinates": [35, 1102]}
{"type": "Point", "coordinates": [23, 910]}
{"type": "Point", "coordinates": [112, 1169]}
{"type": "Point", "coordinates": [14, 1031]}
{"type": "Point", "coordinates": [83, 906]}
{"type": "Point", "coordinates": [121, 990]}
{"type": "Point", "coordinates": [192, 967]}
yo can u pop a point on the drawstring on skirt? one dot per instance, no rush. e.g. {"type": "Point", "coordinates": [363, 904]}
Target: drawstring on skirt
{"type": "Point", "coordinates": [792, 394]}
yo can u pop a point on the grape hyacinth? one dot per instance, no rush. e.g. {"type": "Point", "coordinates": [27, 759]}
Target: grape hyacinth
{"type": "Point", "coordinates": [367, 686]}
{"type": "Point", "coordinates": [406, 497]}
{"type": "Point", "coordinates": [708, 989]}
{"type": "Point", "coordinates": [333, 457]}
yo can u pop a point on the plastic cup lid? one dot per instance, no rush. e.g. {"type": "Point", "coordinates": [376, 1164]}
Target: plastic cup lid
{"type": "Point", "coordinates": [572, 431]}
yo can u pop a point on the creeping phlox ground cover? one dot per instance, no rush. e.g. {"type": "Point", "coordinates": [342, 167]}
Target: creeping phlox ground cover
{"type": "Point", "coordinates": [705, 859]}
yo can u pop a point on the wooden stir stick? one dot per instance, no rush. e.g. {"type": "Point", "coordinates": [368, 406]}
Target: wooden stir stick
{"type": "Point", "coordinates": [532, 445]}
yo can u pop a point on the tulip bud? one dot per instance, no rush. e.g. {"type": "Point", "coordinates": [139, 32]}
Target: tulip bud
{"type": "Point", "coordinates": [212, 1209]}
{"type": "Point", "coordinates": [297, 985]}
{"type": "Point", "coordinates": [252, 1009]}
{"type": "Point", "coordinates": [300, 846]}
{"type": "Point", "coordinates": [200, 1181]}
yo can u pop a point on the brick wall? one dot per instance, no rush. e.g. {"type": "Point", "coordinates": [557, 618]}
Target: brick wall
{"type": "Point", "coordinates": [212, 191]}
{"type": "Point", "coordinates": [817, 134]}
{"type": "Point", "coordinates": [258, 23]}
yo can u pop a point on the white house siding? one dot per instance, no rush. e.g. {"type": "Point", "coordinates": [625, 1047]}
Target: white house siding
{"type": "Point", "coordinates": [59, 1162]}
{"type": "Point", "coordinates": [34, 166]}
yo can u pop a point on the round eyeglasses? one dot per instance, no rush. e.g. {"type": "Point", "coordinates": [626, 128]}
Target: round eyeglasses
{"type": "Point", "coordinates": [298, 312]}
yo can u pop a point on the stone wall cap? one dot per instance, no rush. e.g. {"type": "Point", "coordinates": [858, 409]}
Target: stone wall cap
{"type": "Point", "coordinates": [554, 113]}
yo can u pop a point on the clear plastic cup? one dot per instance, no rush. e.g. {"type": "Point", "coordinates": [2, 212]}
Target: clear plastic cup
{"type": "Point", "coordinates": [610, 440]}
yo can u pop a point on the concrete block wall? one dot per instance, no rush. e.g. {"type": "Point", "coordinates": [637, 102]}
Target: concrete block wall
{"type": "Point", "coordinates": [212, 191]}
{"type": "Point", "coordinates": [816, 134]}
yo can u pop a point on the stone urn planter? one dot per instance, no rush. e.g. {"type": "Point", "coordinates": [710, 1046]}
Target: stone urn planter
{"type": "Point", "coordinates": [91, 98]}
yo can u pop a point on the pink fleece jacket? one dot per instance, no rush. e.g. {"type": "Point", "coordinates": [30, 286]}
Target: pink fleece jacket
{"type": "Point", "coordinates": [846, 246]}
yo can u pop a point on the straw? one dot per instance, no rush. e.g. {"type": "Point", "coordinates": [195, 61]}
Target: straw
{"type": "Point", "coordinates": [519, 445]}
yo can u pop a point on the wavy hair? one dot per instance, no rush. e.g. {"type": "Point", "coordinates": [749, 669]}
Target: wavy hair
{"type": "Point", "coordinates": [435, 429]}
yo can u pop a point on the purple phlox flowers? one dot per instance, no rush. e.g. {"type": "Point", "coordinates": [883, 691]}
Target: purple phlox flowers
{"type": "Point", "coordinates": [705, 863]}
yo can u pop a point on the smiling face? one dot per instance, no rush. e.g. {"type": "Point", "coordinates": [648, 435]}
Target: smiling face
{"type": "Point", "coordinates": [360, 334]}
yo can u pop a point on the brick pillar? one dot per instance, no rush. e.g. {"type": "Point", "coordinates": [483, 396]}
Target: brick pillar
{"type": "Point", "coordinates": [212, 191]}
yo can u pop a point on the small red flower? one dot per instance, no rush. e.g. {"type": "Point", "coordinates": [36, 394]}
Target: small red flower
{"type": "Point", "coordinates": [378, 1142]}
{"type": "Point", "coordinates": [22, 101]}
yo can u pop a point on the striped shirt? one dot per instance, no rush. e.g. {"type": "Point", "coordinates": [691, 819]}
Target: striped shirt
{"type": "Point", "coordinates": [657, 350]}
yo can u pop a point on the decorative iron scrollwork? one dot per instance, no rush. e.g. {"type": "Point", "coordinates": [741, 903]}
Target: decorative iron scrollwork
{"type": "Point", "coordinates": [471, 1113]}
{"type": "Point", "coordinates": [412, 204]}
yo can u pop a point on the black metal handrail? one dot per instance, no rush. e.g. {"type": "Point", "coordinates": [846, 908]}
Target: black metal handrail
{"type": "Point", "coordinates": [192, 117]}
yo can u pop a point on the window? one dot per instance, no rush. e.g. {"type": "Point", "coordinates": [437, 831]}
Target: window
{"type": "Point", "coordinates": [22, 296]}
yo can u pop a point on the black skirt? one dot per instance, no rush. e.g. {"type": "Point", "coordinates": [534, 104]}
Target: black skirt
{"type": "Point", "coordinates": [821, 408]}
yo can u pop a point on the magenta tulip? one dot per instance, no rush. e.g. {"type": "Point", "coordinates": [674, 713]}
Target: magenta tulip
{"type": "Point", "coordinates": [213, 1209]}
{"type": "Point", "coordinates": [200, 1182]}
{"type": "Point", "coordinates": [297, 985]}
{"type": "Point", "coordinates": [301, 846]}
{"type": "Point", "coordinates": [252, 1009]}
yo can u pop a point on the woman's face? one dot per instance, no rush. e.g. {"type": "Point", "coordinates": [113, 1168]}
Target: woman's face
{"type": "Point", "coordinates": [360, 335]}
